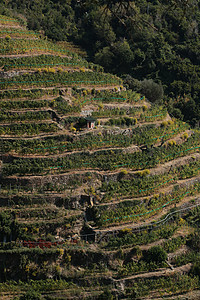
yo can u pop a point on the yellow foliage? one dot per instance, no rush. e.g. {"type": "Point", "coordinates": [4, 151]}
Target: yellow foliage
{"type": "Point", "coordinates": [101, 106]}
{"type": "Point", "coordinates": [61, 251]}
{"type": "Point", "coordinates": [143, 173]}
{"type": "Point", "coordinates": [164, 124]}
{"type": "Point", "coordinates": [181, 221]}
{"type": "Point", "coordinates": [92, 190]}
{"type": "Point", "coordinates": [171, 143]}
{"type": "Point", "coordinates": [124, 172]}
{"type": "Point", "coordinates": [27, 268]}
{"type": "Point", "coordinates": [51, 70]}
{"type": "Point", "coordinates": [58, 269]}
{"type": "Point", "coordinates": [72, 129]}
{"type": "Point", "coordinates": [45, 70]}
{"type": "Point", "coordinates": [67, 258]}
{"type": "Point", "coordinates": [170, 122]}
{"type": "Point", "coordinates": [185, 136]}
{"type": "Point", "coordinates": [60, 69]}
{"type": "Point", "coordinates": [67, 226]}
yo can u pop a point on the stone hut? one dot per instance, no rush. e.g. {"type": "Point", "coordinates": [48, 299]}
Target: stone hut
{"type": "Point", "coordinates": [90, 122]}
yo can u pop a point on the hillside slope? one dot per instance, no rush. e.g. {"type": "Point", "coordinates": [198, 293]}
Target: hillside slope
{"type": "Point", "coordinates": [76, 201]}
{"type": "Point", "coordinates": [138, 39]}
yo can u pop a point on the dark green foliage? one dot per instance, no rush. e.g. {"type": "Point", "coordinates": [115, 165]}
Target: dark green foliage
{"type": "Point", "coordinates": [106, 295]}
{"type": "Point", "coordinates": [194, 241]}
{"type": "Point", "coordinates": [152, 90]}
{"type": "Point", "coordinates": [157, 40]}
{"type": "Point", "coordinates": [31, 295]}
{"type": "Point", "coordinates": [156, 254]}
{"type": "Point", "coordinates": [195, 269]}
{"type": "Point", "coordinates": [9, 229]}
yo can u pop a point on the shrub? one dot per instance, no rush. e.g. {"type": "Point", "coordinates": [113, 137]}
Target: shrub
{"type": "Point", "coordinates": [170, 122]}
{"type": "Point", "coordinates": [195, 269]}
{"type": "Point", "coordinates": [31, 295]}
{"type": "Point", "coordinates": [194, 241]}
{"type": "Point", "coordinates": [171, 143]}
{"type": "Point", "coordinates": [72, 129]}
{"type": "Point", "coordinates": [51, 70]}
{"type": "Point", "coordinates": [123, 172]}
{"type": "Point", "coordinates": [153, 91]}
{"type": "Point", "coordinates": [8, 37]}
{"type": "Point", "coordinates": [143, 173]}
{"type": "Point", "coordinates": [156, 254]}
{"type": "Point", "coordinates": [60, 69]}
{"type": "Point", "coordinates": [164, 124]}
{"type": "Point", "coordinates": [185, 136]}
{"type": "Point", "coordinates": [106, 295]}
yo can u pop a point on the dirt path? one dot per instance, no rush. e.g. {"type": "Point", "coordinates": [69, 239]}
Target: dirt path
{"type": "Point", "coordinates": [140, 123]}
{"type": "Point", "coordinates": [125, 105]}
{"type": "Point", "coordinates": [52, 219]}
{"type": "Point", "coordinates": [180, 251]}
{"type": "Point", "coordinates": [80, 134]}
{"type": "Point", "coordinates": [30, 54]}
{"type": "Point", "coordinates": [164, 190]}
{"type": "Point", "coordinates": [149, 221]}
{"type": "Point", "coordinates": [167, 189]}
{"type": "Point", "coordinates": [163, 272]}
{"type": "Point", "coordinates": [192, 295]}
{"type": "Point", "coordinates": [181, 232]}
{"type": "Point", "coordinates": [68, 153]}
{"type": "Point", "coordinates": [19, 38]}
{"type": "Point", "coordinates": [19, 122]}
{"type": "Point", "coordinates": [96, 87]}
{"type": "Point", "coordinates": [157, 170]}
{"type": "Point", "coordinates": [44, 98]}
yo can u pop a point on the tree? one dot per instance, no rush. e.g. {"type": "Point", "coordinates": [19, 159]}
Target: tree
{"type": "Point", "coordinates": [152, 90]}
{"type": "Point", "coordinates": [106, 295]}
{"type": "Point", "coordinates": [156, 254]}
{"type": "Point", "coordinates": [105, 57]}
{"type": "Point", "coordinates": [195, 270]}
{"type": "Point", "coordinates": [194, 241]}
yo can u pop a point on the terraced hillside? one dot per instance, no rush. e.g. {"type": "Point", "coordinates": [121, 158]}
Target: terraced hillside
{"type": "Point", "coordinates": [104, 213]}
